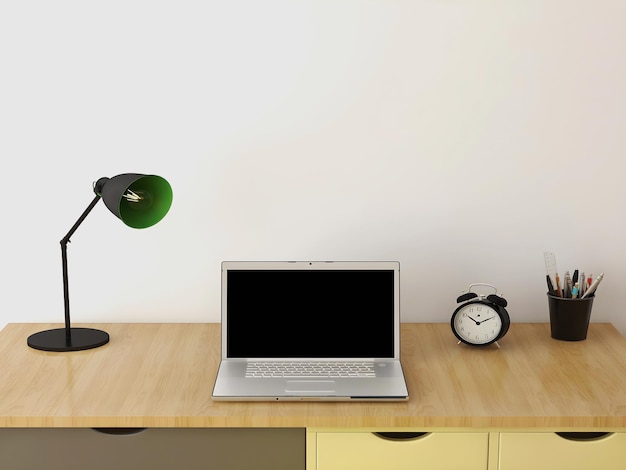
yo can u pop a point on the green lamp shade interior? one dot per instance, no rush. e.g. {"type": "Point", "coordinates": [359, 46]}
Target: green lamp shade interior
{"type": "Point", "coordinates": [145, 202]}
{"type": "Point", "coordinates": [140, 201]}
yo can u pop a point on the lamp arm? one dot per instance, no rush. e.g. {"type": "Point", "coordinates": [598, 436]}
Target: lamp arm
{"type": "Point", "coordinates": [64, 242]}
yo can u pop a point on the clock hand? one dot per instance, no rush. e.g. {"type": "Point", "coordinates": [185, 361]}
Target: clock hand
{"type": "Point", "coordinates": [483, 321]}
{"type": "Point", "coordinates": [477, 322]}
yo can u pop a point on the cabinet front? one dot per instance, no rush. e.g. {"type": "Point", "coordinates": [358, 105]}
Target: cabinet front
{"type": "Point", "coordinates": [567, 451]}
{"type": "Point", "coordinates": [153, 449]}
{"type": "Point", "coordinates": [400, 451]}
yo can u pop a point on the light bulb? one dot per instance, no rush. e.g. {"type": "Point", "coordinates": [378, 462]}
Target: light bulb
{"type": "Point", "coordinates": [132, 196]}
{"type": "Point", "coordinates": [138, 200]}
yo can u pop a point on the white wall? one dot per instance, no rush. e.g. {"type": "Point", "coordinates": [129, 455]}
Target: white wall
{"type": "Point", "coordinates": [461, 137]}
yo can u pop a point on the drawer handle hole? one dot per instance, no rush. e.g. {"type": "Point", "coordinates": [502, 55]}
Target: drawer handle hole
{"type": "Point", "coordinates": [401, 436]}
{"type": "Point", "coordinates": [583, 436]}
{"type": "Point", "coordinates": [120, 431]}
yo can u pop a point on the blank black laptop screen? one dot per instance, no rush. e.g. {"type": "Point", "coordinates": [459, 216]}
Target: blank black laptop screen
{"type": "Point", "coordinates": [310, 313]}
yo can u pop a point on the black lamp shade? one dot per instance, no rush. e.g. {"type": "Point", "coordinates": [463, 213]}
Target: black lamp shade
{"type": "Point", "coordinates": [140, 201]}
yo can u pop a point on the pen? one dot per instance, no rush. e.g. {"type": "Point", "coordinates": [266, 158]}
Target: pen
{"type": "Point", "coordinates": [575, 276]}
{"type": "Point", "coordinates": [550, 285]}
{"type": "Point", "coordinates": [582, 285]}
{"type": "Point", "coordinates": [575, 291]}
{"type": "Point", "coordinates": [558, 285]}
{"type": "Point", "coordinates": [593, 286]}
{"type": "Point", "coordinates": [567, 286]}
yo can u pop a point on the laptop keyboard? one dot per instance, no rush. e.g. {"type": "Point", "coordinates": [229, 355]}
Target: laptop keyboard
{"type": "Point", "coordinates": [309, 369]}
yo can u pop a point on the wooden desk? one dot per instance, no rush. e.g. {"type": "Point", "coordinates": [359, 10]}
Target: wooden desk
{"type": "Point", "coordinates": [161, 376]}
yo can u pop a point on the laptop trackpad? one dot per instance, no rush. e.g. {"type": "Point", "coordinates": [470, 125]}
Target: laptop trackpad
{"type": "Point", "coordinates": [310, 386]}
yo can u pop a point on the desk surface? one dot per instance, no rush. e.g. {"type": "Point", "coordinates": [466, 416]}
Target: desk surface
{"type": "Point", "coordinates": [161, 375]}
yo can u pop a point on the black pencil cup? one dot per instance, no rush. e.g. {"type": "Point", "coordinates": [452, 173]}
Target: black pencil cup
{"type": "Point", "coordinates": [569, 318]}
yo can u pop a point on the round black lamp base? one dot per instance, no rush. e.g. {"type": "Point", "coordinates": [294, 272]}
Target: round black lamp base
{"type": "Point", "coordinates": [55, 340]}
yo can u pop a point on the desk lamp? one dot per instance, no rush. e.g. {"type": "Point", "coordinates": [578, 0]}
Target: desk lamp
{"type": "Point", "coordinates": [140, 201]}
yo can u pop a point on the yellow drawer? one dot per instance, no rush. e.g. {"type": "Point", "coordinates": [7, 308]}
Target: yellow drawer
{"type": "Point", "coordinates": [435, 451]}
{"type": "Point", "coordinates": [549, 451]}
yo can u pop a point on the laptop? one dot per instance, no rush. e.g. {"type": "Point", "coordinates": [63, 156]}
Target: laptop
{"type": "Point", "coordinates": [304, 331]}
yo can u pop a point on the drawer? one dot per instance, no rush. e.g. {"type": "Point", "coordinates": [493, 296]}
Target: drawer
{"type": "Point", "coordinates": [435, 451]}
{"type": "Point", "coordinates": [154, 449]}
{"type": "Point", "coordinates": [543, 451]}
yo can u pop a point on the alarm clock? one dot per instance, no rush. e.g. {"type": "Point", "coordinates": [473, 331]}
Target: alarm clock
{"type": "Point", "coordinates": [480, 320]}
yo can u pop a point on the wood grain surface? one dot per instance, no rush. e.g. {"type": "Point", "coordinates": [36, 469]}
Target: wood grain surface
{"type": "Point", "coordinates": [161, 375]}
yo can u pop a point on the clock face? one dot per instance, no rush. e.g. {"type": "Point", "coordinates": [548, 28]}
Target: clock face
{"type": "Point", "coordinates": [477, 323]}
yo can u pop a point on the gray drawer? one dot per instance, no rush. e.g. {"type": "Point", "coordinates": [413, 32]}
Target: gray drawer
{"type": "Point", "coordinates": [155, 449]}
